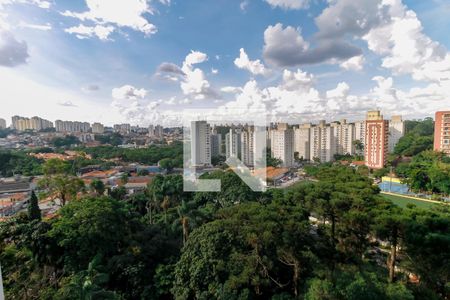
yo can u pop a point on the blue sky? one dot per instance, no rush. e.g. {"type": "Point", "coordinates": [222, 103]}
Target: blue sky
{"type": "Point", "coordinates": [143, 61]}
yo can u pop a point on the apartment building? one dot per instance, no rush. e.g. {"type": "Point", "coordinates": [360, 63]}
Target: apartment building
{"type": "Point", "coordinates": [344, 136]}
{"type": "Point", "coordinates": [282, 145]}
{"type": "Point", "coordinates": [248, 146]}
{"type": "Point", "coordinates": [216, 144]}
{"type": "Point", "coordinates": [302, 140]}
{"type": "Point", "coordinates": [233, 143]}
{"type": "Point", "coordinates": [377, 139]}
{"type": "Point", "coordinates": [360, 135]}
{"type": "Point", "coordinates": [98, 128]}
{"type": "Point", "coordinates": [72, 126]}
{"type": "Point", "coordinates": [200, 143]}
{"type": "Point", "coordinates": [322, 141]}
{"type": "Point", "coordinates": [442, 132]}
{"type": "Point", "coordinates": [156, 131]}
{"type": "Point", "coordinates": [396, 131]}
{"type": "Point", "coordinates": [122, 128]}
{"type": "Point", "coordinates": [35, 123]}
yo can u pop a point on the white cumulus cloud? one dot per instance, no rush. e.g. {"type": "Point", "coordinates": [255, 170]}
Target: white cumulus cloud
{"type": "Point", "coordinates": [117, 13]}
{"type": "Point", "coordinates": [83, 32]}
{"type": "Point", "coordinates": [256, 67]}
{"type": "Point", "coordinates": [289, 4]}
{"type": "Point", "coordinates": [355, 63]}
{"type": "Point", "coordinates": [133, 105]}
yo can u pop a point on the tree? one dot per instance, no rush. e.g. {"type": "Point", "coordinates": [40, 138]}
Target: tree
{"type": "Point", "coordinates": [418, 137]}
{"type": "Point", "coordinates": [143, 172]}
{"type": "Point", "coordinates": [389, 224]}
{"type": "Point", "coordinates": [359, 146]}
{"type": "Point", "coordinates": [91, 227]}
{"type": "Point", "coordinates": [66, 141]}
{"type": "Point", "coordinates": [87, 284]}
{"type": "Point", "coordinates": [58, 182]}
{"type": "Point", "coordinates": [166, 164]}
{"type": "Point", "coordinates": [320, 290]}
{"type": "Point", "coordinates": [272, 161]}
{"type": "Point", "coordinates": [341, 201]}
{"type": "Point", "coordinates": [19, 162]}
{"type": "Point", "coordinates": [34, 212]}
{"type": "Point", "coordinates": [428, 171]}
{"type": "Point", "coordinates": [98, 186]}
{"type": "Point", "coordinates": [427, 247]}
{"type": "Point", "coordinates": [380, 172]}
{"type": "Point", "coordinates": [251, 251]}
{"type": "Point", "coordinates": [189, 217]}
{"type": "Point", "coordinates": [218, 160]}
{"type": "Point", "coordinates": [118, 193]}
{"type": "Point", "coordinates": [233, 191]}
{"type": "Point", "coordinates": [124, 178]}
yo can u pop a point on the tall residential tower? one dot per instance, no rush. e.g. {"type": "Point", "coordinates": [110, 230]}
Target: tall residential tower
{"type": "Point", "coordinates": [442, 132]}
{"type": "Point", "coordinates": [376, 143]}
{"type": "Point", "coordinates": [200, 143]}
{"type": "Point", "coordinates": [396, 131]}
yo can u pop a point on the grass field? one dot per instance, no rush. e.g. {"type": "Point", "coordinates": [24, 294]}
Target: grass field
{"type": "Point", "coordinates": [403, 201]}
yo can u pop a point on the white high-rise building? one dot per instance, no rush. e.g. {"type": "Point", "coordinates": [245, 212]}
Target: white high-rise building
{"type": "Point", "coordinates": [282, 145]}
{"type": "Point", "coordinates": [360, 135]}
{"type": "Point", "coordinates": [14, 120]}
{"type": "Point", "coordinates": [396, 131]}
{"type": "Point", "coordinates": [98, 128]}
{"type": "Point", "coordinates": [35, 123]}
{"type": "Point", "coordinates": [233, 144]}
{"type": "Point", "coordinates": [200, 143]}
{"type": "Point", "coordinates": [159, 131]}
{"type": "Point", "coordinates": [156, 131]}
{"type": "Point", "coordinates": [323, 146]}
{"type": "Point", "coordinates": [344, 136]}
{"type": "Point", "coordinates": [248, 146]}
{"type": "Point", "coordinates": [337, 137]}
{"type": "Point", "coordinates": [216, 144]}
{"type": "Point", "coordinates": [302, 141]}
{"type": "Point", "coordinates": [347, 138]}
{"type": "Point", "coordinates": [122, 128]}
{"type": "Point", "coordinates": [2, 123]}
{"type": "Point", "coordinates": [72, 126]}
{"type": "Point", "coordinates": [151, 131]}
{"type": "Point", "coordinates": [360, 131]}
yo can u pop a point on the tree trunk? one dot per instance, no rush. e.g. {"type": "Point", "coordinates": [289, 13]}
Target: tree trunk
{"type": "Point", "coordinates": [185, 224]}
{"type": "Point", "coordinates": [333, 230]}
{"type": "Point", "coordinates": [296, 276]}
{"type": "Point", "coordinates": [63, 199]}
{"type": "Point", "coordinates": [392, 259]}
{"type": "Point", "coordinates": [333, 243]}
{"type": "Point", "coordinates": [148, 207]}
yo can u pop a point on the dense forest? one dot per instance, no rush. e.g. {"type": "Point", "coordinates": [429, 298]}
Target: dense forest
{"type": "Point", "coordinates": [331, 239]}
{"type": "Point", "coordinates": [150, 155]}
{"type": "Point", "coordinates": [20, 162]}
{"type": "Point", "coordinates": [418, 137]}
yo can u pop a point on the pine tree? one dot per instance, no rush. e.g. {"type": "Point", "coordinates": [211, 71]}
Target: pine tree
{"type": "Point", "coordinates": [34, 212]}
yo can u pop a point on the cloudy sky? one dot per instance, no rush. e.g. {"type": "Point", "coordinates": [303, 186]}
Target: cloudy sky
{"type": "Point", "coordinates": [144, 61]}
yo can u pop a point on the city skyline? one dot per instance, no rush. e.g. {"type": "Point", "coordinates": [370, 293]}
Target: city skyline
{"type": "Point", "coordinates": [216, 123]}
{"type": "Point", "coordinates": [80, 60]}
{"type": "Point", "coordinates": [225, 149]}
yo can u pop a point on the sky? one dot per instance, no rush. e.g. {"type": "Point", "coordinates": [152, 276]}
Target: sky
{"type": "Point", "coordinates": [147, 62]}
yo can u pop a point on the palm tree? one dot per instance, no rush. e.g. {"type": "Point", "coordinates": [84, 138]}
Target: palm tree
{"type": "Point", "coordinates": [165, 206]}
{"type": "Point", "coordinates": [152, 202]}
